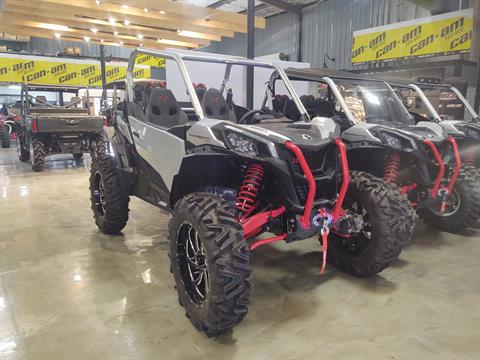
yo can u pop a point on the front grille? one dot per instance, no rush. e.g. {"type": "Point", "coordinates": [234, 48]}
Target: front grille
{"type": "Point", "coordinates": [323, 164]}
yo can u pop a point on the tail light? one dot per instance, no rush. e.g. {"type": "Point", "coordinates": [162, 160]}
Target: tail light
{"type": "Point", "coordinates": [35, 125]}
{"type": "Point", "coordinates": [105, 121]}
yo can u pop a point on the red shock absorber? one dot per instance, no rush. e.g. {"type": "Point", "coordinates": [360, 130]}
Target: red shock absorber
{"type": "Point", "coordinates": [469, 158]}
{"type": "Point", "coordinates": [246, 197]}
{"type": "Point", "coordinates": [392, 167]}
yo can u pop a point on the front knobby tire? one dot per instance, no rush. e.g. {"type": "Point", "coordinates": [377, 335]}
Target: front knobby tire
{"type": "Point", "coordinates": [221, 299]}
{"type": "Point", "coordinates": [37, 154]}
{"type": "Point", "coordinates": [463, 205]}
{"type": "Point", "coordinates": [391, 222]}
{"type": "Point", "coordinates": [109, 202]}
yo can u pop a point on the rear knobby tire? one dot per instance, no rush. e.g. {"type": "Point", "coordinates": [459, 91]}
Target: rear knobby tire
{"type": "Point", "coordinates": [467, 187]}
{"type": "Point", "coordinates": [5, 136]}
{"type": "Point", "coordinates": [227, 262]}
{"type": "Point", "coordinates": [22, 152]}
{"type": "Point", "coordinates": [37, 154]}
{"type": "Point", "coordinates": [98, 146]}
{"type": "Point", "coordinates": [109, 201]}
{"type": "Point", "coordinates": [392, 222]}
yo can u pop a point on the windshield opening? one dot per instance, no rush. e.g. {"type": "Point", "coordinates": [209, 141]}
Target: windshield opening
{"type": "Point", "coordinates": [367, 101]}
{"type": "Point", "coordinates": [446, 103]}
{"type": "Point", "coordinates": [373, 102]}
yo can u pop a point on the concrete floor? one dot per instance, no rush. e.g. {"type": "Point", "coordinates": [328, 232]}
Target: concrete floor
{"type": "Point", "coordinates": [68, 291]}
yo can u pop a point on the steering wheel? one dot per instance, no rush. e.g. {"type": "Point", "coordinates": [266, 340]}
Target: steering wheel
{"type": "Point", "coordinates": [248, 116]}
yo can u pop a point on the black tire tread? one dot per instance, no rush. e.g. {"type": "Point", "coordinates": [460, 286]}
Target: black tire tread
{"type": "Point", "coordinates": [229, 262]}
{"type": "Point", "coordinates": [5, 136]}
{"type": "Point", "coordinates": [39, 154]}
{"type": "Point", "coordinates": [391, 208]}
{"type": "Point", "coordinates": [468, 183]}
{"type": "Point", "coordinates": [116, 206]}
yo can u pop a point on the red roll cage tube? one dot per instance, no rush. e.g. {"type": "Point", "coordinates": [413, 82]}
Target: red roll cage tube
{"type": "Point", "coordinates": [253, 225]}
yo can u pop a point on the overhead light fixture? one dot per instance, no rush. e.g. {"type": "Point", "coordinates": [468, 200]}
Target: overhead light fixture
{"type": "Point", "coordinates": [179, 31]}
{"type": "Point", "coordinates": [188, 33]}
{"type": "Point", "coordinates": [86, 38]}
{"type": "Point", "coordinates": [126, 22]}
{"type": "Point", "coordinates": [145, 9]}
{"type": "Point", "coordinates": [58, 36]}
{"type": "Point", "coordinates": [98, 2]}
{"type": "Point", "coordinates": [140, 36]}
{"type": "Point", "coordinates": [101, 40]}
{"type": "Point", "coordinates": [141, 45]}
{"type": "Point", "coordinates": [93, 30]}
{"type": "Point", "coordinates": [125, 6]}
{"type": "Point", "coordinates": [120, 42]}
{"type": "Point", "coordinates": [115, 33]}
{"type": "Point", "coordinates": [111, 20]}
{"type": "Point", "coordinates": [54, 27]}
{"type": "Point", "coordinates": [170, 42]}
{"type": "Point", "coordinates": [162, 12]}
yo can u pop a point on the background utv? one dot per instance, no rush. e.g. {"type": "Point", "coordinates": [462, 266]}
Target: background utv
{"type": "Point", "coordinates": [383, 139]}
{"type": "Point", "coordinates": [231, 187]}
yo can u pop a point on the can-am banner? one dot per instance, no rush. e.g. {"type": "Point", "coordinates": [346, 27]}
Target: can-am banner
{"type": "Point", "coordinates": [43, 70]}
{"type": "Point", "coordinates": [443, 34]}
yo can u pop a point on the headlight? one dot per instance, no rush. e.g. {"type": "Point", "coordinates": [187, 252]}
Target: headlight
{"type": "Point", "coordinates": [470, 131]}
{"type": "Point", "coordinates": [391, 140]}
{"type": "Point", "coordinates": [396, 141]}
{"type": "Point", "coordinates": [242, 144]}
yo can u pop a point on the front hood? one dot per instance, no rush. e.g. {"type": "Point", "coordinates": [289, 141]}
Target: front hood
{"type": "Point", "coordinates": [461, 129]}
{"type": "Point", "coordinates": [300, 133]}
{"type": "Point", "coordinates": [426, 131]}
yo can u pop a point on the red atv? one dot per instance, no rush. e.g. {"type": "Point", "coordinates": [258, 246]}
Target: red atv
{"type": "Point", "coordinates": [8, 124]}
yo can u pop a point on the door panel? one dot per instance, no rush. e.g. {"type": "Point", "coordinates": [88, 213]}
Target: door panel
{"type": "Point", "coordinates": [162, 150]}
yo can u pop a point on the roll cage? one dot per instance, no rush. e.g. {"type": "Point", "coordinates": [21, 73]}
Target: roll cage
{"type": "Point", "coordinates": [329, 77]}
{"type": "Point", "coordinates": [419, 87]}
{"type": "Point", "coordinates": [181, 56]}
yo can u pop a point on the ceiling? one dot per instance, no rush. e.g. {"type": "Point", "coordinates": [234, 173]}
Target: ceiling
{"type": "Point", "coordinates": [156, 24]}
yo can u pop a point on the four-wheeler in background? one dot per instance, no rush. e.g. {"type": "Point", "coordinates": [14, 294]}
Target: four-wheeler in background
{"type": "Point", "coordinates": [231, 187]}
{"type": "Point", "coordinates": [9, 120]}
{"type": "Point", "coordinates": [430, 99]}
{"type": "Point", "coordinates": [66, 127]}
{"type": "Point", "coordinates": [383, 139]}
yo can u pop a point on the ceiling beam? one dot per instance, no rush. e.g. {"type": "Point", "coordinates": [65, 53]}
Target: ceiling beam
{"type": "Point", "coordinates": [218, 3]}
{"type": "Point", "coordinates": [180, 8]}
{"type": "Point", "coordinates": [117, 13]}
{"type": "Point", "coordinates": [105, 26]}
{"type": "Point", "coordinates": [79, 35]}
{"type": "Point", "coordinates": [283, 5]}
{"type": "Point", "coordinates": [61, 17]}
{"type": "Point", "coordinates": [188, 17]}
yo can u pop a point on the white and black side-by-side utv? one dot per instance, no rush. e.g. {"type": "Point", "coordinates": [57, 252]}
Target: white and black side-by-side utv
{"type": "Point", "coordinates": [231, 187]}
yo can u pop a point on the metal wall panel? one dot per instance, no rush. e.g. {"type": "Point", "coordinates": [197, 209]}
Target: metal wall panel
{"type": "Point", "coordinates": [327, 28]}
{"type": "Point", "coordinates": [280, 35]}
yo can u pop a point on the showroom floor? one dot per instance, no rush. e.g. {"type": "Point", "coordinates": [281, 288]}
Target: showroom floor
{"type": "Point", "coordinates": [68, 291]}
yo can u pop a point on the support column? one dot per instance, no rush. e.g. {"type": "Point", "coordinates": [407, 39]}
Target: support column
{"type": "Point", "coordinates": [103, 71]}
{"type": "Point", "coordinates": [250, 50]}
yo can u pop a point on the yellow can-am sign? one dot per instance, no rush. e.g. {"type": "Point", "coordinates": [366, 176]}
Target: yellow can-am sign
{"type": "Point", "coordinates": [444, 34]}
{"type": "Point", "coordinates": [42, 70]}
